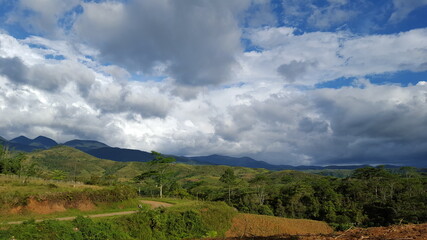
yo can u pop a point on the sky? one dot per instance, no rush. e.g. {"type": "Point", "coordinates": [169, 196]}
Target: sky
{"type": "Point", "coordinates": [313, 82]}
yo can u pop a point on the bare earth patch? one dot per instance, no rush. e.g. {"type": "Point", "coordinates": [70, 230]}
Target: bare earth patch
{"type": "Point", "coordinates": [46, 207]}
{"type": "Point", "coordinates": [249, 225]}
{"type": "Point", "coordinates": [155, 204]}
{"type": "Point", "coordinates": [397, 232]}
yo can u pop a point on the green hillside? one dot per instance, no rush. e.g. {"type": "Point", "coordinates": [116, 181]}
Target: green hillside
{"type": "Point", "coordinates": [83, 165]}
{"type": "Point", "coordinates": [73, 162]}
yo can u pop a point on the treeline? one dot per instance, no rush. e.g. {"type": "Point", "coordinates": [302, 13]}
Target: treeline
{"type": "Point", "coordinates": [369, 197]}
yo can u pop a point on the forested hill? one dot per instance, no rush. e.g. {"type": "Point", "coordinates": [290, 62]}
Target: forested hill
{"type": "Point", "coordinates": [102, 150]}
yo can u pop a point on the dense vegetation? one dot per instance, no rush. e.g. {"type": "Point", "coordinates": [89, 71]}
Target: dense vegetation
{"type": "Point", "coordinates": [369, 197]}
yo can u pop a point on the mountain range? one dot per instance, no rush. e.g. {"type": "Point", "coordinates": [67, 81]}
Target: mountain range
{"type": "Point", "coordinates": [103, 151]}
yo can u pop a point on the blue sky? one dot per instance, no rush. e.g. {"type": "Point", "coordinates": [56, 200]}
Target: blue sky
{"type": "Point", "coordinates": [288, 82]}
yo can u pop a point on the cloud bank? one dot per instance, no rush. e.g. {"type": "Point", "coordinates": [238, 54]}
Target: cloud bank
{"type": "Point", "coordinates": [215, 77]}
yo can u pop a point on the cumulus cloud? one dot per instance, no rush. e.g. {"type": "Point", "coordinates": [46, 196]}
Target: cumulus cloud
{"type": "Point", "coordinates": [195, 41]}
{"type": "Point", "coordinates": [351, 125]}
{"type": "Point", "coordinates": [49, 77]}
{"type": "Point", "coordinates": [316, 57]}
{"type": "Point", "coordinates": [68, 98]}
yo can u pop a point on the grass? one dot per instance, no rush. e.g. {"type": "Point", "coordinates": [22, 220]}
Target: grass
{"type": "Point", "coordinates": [11, 183]}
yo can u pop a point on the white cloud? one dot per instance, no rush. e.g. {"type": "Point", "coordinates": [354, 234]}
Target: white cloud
{"type": "Point", "coordinates": [402, 8]}
{"type": "Point", "coordinates": [321, 15]}
{"type": "Point", "coordinates": [316, 57]}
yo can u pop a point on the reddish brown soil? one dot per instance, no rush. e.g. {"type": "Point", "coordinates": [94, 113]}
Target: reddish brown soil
{"type": "Point", "coordinates": [46, 207]}
{"type": "Point", "coordinates": [249, 225]}
{"type": "Point", "coordinates": [155, 204]}
{"type": "Point", "coordinates": [91, 216]}
{"type": "Point", "coordinates": [398, 232]}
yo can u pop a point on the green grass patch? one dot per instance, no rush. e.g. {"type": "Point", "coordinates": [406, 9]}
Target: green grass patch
{"type": "Point", "coordinates": [216, 216]}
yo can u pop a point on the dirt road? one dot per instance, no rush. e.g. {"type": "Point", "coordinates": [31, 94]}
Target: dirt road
{"type": "Point", "coordinates": [153, 204]}
{"type": "Point", "coordinates": [73, 217]}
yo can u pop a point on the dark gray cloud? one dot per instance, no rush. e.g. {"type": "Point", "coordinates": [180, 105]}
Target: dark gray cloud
{"type": "Point", "coordinates": [370, 125]}
{"type": "Point", "coordinates": [131, 98]}
{"type": "Point", "coordinates": [295, 69]}
{"type": "Point", "coordinates": [375, 126]}
{"type": "Point", "coordinates": [48, 77]}
{"type": "Point", "coordinates": [193, 41]}
{"type": "Point", "coordinates": [309, 125]}
{"type": "Point", "coordinates": [13, 69]}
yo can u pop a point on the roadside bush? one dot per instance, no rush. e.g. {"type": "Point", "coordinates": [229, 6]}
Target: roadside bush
{"type": "Point", "coordinates": [101, 230]}
{"type": "Point", "coordinates": [217, 216]}
{"type": "Point", "coordinates": [162, 224]}
{"type": "Point", "coordinates": [50, 229]}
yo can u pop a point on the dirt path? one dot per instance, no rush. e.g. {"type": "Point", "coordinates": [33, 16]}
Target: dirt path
{"type": "Point", "coordinates": [153, 204]}
{"type": "Point", "coordinates": [73, 217]}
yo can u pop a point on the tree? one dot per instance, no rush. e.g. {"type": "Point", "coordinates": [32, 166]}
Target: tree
{"type": "Point", "coordinates": [159, 171]}
{"type": "Point", "coordinates": [409, 172]}
{"type": "Point", "coordinates": [27, 169]}
{"type": "Point", "coordinates": [259, 183]}
{"type": "Point", "coordinates": [10, 163]}
{"type": "Point", "coordinates": [229, 179]}
{"type": "Point", "coordinates": [58, 175]}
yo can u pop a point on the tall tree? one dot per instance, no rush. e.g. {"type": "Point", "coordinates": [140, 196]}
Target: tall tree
{"type": "Point", "coordinates": [229, 179]}
{"type": "Point", "coordinates": [259, 183]}
{"type": "Point", "coordinates": [159, 171]}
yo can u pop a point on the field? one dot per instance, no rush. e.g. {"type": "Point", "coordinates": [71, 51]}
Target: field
{"type": "Point", "coordinates": [246, 225]}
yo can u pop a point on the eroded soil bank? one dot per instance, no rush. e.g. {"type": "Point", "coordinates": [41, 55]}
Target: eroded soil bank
{"type": "Point", "coordinates": [34, 205]}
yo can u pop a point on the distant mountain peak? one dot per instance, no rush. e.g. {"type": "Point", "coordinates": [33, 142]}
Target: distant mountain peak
{"type": "Point", "coordinates": [44, 142]}
{"type": "Point", "coordinates": [85, 145]}
{"type": "Point", "coordinates": [43, 138]}
{"type": "Point", "coordinates": [21, 140]}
